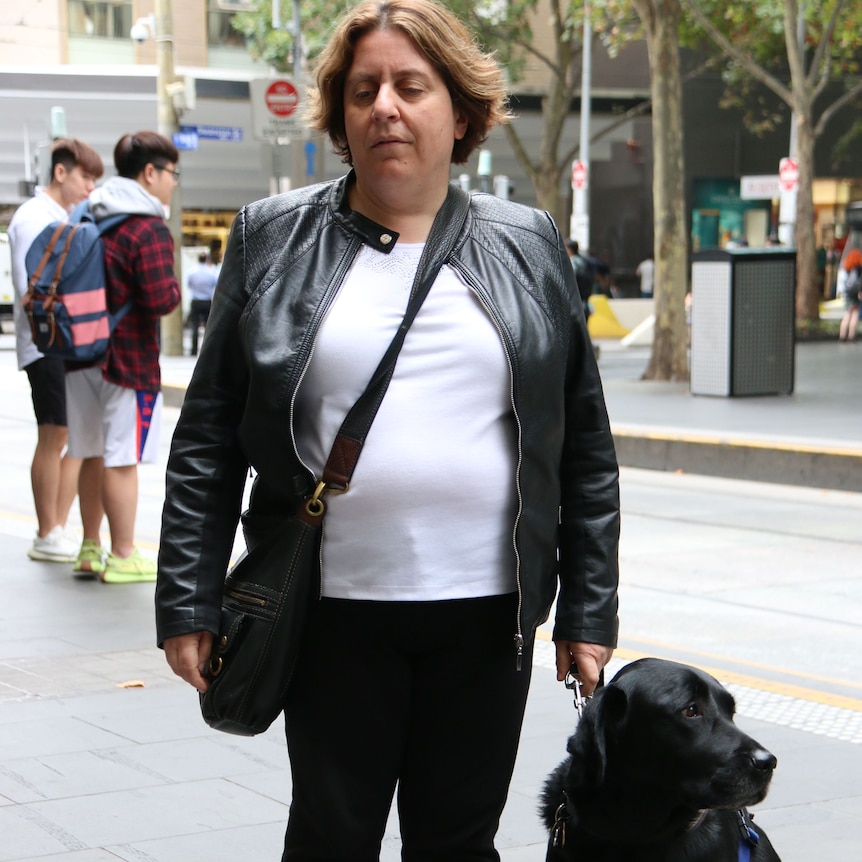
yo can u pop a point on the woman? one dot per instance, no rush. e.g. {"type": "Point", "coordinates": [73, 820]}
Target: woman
{"type": "Point", "coordinates": [850, 288]}
{"type": "Point", "coordinates": [487, 479]}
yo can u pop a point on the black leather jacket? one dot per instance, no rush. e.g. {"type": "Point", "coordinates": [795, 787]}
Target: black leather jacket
{"type": "Point", "coordinates": [285, 260]}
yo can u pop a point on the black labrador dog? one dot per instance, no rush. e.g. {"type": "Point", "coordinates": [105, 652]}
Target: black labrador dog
{"type": "Point", "coordinates": [658, 772]}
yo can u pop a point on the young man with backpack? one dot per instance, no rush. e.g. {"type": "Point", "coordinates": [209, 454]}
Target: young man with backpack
{"type": "Point", "coordinates": [75, 167]}
{"type": "Point", "coordinates": [115, 402]}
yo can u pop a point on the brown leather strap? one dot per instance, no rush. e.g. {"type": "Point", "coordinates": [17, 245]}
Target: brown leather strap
{"type": "Point", "coordinates": [46, 256]}
{"type": "Point", "coordinates": [58, 272]}
{"type": "Point", "coordinates": [30, 296]}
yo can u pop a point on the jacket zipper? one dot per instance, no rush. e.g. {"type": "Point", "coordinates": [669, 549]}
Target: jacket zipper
{"type": "Point", "coordinates": [475, 288]}
{"type": "Point", "coordinates": [323, 308]}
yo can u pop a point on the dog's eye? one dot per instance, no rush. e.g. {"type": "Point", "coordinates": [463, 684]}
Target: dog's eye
{"type": "Point", "coordinates": [692, 710]}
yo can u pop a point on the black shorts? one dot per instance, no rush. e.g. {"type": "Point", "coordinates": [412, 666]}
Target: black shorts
{"type": "Point", "coordinates": [48, 388]}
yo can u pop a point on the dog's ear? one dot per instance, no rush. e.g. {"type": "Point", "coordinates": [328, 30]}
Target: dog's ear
{"type": "Point", "coordinates": [602, 715]}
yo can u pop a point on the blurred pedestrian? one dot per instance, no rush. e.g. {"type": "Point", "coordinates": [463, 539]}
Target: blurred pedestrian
{"type": "Point", "coordinates": [75, 167]}
{"type": "Point", "coordinates": [850, 288]}
{"type": "Point", "coordinates": [487, 480]}
{"type": "Point", "coordinates": [646, 271]}
{"type": "Point", "coordinates": [115, 403]}
{"type": "Point", "coordinates": [584, 274]}
{"type": "Point", "coordinates": [202, 283]}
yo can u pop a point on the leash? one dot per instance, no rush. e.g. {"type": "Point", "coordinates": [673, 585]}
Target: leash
{"type": "Point", "coordinates": [562, 815]}
{"type": "Point", "coordinates": [573, 683]}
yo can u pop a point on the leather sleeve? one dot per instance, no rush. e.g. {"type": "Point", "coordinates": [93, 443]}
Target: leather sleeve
{"type": "Point", "coordinates": [589, 494]}
{"type": "Point", "coordinates": [206, 467]}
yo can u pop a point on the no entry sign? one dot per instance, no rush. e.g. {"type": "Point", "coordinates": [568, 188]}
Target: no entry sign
{"type": "Point", "coordinates": [281, 98]}
{"type": "Point", "coordinates": [579, 174]}
{"type": "Point", "coordinates": [788, 175]}
{"type": "Point", "coordinates": [275, 115]}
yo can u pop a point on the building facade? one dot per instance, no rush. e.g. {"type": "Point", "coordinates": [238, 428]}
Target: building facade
{"type": "Point", "coordinates": [70, 67]}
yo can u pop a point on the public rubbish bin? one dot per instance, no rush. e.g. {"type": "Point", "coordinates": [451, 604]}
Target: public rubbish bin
{"type": "Point", "coordinates": [742, 321]}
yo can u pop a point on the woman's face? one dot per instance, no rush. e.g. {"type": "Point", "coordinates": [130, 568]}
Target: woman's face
{"type": "Point", "coordinates": [399, 118]}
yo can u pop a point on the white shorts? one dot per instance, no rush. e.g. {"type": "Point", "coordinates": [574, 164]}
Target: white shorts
{"type": "Point", "coordinates": [112, 422]}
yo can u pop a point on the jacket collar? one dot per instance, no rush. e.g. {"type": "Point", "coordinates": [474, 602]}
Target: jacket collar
{"type": "Point", "coordinates": [375, 235]}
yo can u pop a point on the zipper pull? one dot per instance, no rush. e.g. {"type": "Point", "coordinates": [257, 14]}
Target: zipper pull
{"type": "Point", "coordinates": [519, 650]}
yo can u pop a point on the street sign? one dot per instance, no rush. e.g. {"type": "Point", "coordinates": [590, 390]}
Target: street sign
{"type": "Point", "coordinates": [274, 107]}
{"type": "Point", "coordinates": [281, 98]}
{"type": "Point", "coordinates": [186, 138]}
{"type": "Point", "coordinates": [788, 175]}
{"type": "Point", "coordinates": [579, 174]}
{"type": "Point", "coordinates": [759, 188]}
{"type": "Point", "coordinates": [189, 137]}
{"type": "Point", "coordinates": [225, 134]}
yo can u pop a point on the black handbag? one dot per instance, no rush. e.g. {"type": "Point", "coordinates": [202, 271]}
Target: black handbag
{"type": "Point", "coordinates": [272, 588]}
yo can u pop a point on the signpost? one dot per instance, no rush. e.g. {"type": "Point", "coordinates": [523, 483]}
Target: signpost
{"type": "Point", "coordinates": [579, 175]}
{"type": "Point", "coordinates": [788, 175]}
{"type": "Point", "coordinates": [274, 104]}
{"type": "Point", "coordinates": [788, 180]}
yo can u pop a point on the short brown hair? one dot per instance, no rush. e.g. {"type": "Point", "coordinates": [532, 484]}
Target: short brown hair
{"type": "Point", "coordinates": [473, 78]}
{"type": "Point", "coordinates": [134, 152]}
{"type": "Point", "coordinates": [72, 153]}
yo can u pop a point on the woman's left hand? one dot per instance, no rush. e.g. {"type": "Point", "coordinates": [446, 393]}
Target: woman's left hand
{"type": "Point", "coordinates": [589, 659]}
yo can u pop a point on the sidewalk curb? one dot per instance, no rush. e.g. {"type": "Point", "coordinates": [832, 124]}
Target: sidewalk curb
{"type": "Point", "coordinates": [834, 468]}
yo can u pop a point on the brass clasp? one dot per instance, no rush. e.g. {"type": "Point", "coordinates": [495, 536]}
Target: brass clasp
{"type": "Point", "coordinates": [314, 505]}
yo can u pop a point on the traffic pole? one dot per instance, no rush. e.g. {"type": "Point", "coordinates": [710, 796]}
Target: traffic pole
{"type": "Point", "coordinates": [168, 125]}
{"type": "Point", "coordinates": [579, 228]}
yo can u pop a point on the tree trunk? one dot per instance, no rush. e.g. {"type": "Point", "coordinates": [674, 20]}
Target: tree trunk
{"type": "Point", "coordinates": [669, 358]}
{"type": "Point", "coordinates": [808, 293]}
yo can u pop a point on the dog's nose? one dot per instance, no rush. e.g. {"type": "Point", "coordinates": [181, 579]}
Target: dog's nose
{"type": "Point", "coordinates": [764, 760]}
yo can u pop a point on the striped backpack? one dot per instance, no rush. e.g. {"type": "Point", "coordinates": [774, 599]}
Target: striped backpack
{"type": "Point", "coordinates": [66, 302]}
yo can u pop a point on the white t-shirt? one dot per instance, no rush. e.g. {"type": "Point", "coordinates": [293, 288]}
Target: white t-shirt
{"type": "Point", "coordinates": [28, 222]}
{"type": "Point", "coordinates": [430, 511]}
{"type": "Point", "coordinates": [646, 270]}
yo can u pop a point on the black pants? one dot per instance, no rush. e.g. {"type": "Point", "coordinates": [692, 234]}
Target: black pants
{"type": "Point", "coordinates": [424, 695]}
{"type": "Point", "coordinates": [199, 313]}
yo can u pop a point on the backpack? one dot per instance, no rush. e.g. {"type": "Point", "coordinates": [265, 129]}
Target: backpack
{"type": "Point", "coordinates": [66, 302]}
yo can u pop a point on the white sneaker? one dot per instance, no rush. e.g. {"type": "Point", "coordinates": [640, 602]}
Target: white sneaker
{"type": "Point", "coordinates": [54, 548]}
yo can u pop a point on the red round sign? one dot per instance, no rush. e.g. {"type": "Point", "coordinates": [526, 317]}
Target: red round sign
{"type": "Point", "coordinates": [281, 98]}
{"type": "Point", "coordinates": [579, 174]}
{"type": "Point", "coordinates": [788, 174]}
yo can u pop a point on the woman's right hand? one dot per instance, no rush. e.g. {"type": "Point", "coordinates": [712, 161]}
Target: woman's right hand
{"type": "Point", "coordinates": [188, 654]}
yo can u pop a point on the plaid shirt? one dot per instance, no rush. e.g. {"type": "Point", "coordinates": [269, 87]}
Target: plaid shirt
{"type": "Point", "coordinates": [139, 265]}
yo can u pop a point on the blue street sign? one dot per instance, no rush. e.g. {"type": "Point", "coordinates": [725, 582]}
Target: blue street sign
{"type": "Point", "coordinates": [310, 150]}
{"type": "Point", "coordinates": [225, 134]}
{"type": "Point", "coordinates": [186, 138]}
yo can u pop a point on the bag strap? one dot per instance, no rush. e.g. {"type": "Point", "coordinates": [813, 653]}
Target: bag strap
{"type": "Point", "coordinates": [447, 227]}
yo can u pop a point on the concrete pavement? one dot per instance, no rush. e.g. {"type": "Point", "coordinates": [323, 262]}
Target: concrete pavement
{"type": "Point", "coordinates": [103, 755]}
{"type": "Point", "coordinates": [812, 437]}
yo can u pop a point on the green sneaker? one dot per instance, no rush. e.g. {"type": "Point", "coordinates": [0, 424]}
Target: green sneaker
{"type": "Point", "coordinates": [134, 569]}
{"type": "Point", "coordinates": [91, 560]}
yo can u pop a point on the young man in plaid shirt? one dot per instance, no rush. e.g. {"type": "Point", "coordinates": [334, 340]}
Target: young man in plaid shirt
{"type": "Point", "coordinates": [114, 405]}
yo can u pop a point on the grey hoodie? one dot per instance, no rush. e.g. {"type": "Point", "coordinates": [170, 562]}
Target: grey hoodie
{"type": "Point", "coordinates": [122, 195]}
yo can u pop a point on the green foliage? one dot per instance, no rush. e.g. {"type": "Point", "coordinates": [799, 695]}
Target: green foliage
{"type": "Point", "coordinates": [276, 46]}
{"type": "Point", "coordinates": [760, 53]}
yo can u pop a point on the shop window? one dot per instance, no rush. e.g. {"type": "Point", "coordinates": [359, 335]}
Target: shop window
{"type": "Point", "coordinates": [104, 19]}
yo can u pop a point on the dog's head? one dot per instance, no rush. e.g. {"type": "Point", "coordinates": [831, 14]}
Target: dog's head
{"type": "Point", "coordinates": [663, 733]}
